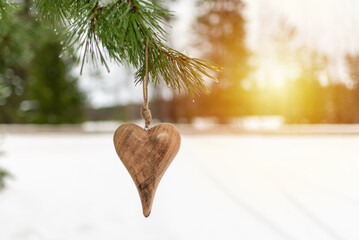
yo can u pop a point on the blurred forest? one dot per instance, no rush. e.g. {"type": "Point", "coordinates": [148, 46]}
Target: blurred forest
{"type": "Point", "coordinates": [37, 85]}
{"type": "Point", "coordinates": [220, 29]}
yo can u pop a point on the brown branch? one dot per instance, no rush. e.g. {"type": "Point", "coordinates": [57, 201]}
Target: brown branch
{"type": "Point", "coordinates": [94, 16]}
{"type": "Point", "coordinates": [133, 6]}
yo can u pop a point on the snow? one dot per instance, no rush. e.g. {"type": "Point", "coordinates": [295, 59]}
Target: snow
{"type": "Point", "coordinates": [73, 187]}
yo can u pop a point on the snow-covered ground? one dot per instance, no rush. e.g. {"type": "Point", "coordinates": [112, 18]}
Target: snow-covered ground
{"type": "Point", "coordinates": [73, 187]}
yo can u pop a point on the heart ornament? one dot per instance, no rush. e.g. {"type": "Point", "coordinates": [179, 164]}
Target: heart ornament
{"type": "Point", "coordinates": [146, 155]}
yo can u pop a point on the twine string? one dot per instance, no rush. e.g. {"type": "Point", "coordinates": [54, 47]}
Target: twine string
{"type": "Point", "coordinates": [145, 111]}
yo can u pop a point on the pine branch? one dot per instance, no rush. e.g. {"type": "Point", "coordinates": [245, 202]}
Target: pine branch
{"type": "Point", "coordinates": [57, 13]}
{"type": "Point", "coordinates": [6, 7]}
{"type": "Point", "coordinates": [177, 70]}
{"type": "Point", "coordinates": [118, 32]}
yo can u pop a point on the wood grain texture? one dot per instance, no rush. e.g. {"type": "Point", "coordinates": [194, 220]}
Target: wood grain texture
{"type": "Point", "coordinates": [147, 154]}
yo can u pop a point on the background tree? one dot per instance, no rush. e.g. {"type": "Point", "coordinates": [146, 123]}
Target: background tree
{"type": "Point", "coordinates": [219, 34]}
{"type": "Point", "coordinates": [3, 176]}
{"type": "Point", "coordinates": [353, 66]}
{"type": "Point", "coordinates": [53, 95]}
{"type": "Point", "coordinates": [15, 55]}
{"type": "Point", "coordinates": [32, 75]}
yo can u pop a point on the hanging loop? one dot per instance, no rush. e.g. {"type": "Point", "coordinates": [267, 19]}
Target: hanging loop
{"type": "Point", "coordinates": [145, 111]}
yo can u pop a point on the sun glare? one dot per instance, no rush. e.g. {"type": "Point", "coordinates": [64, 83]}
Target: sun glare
{"type": "Point", "coordinates": [274, 74]}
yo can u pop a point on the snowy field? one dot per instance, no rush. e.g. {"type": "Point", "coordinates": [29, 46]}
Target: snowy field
{"type": "Point", "coordinates": [73, 187]}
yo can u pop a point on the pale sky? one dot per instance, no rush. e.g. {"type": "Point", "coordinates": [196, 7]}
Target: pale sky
{"type": "Point", "coordinates": [331, 26]}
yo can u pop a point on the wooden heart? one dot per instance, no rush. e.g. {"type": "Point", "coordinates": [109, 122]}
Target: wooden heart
{"type": "Point", "coordinates": [147, 154]}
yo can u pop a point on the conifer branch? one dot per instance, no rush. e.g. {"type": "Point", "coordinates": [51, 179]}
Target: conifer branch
{"type": "Point", "coordinates": [118, 32]}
